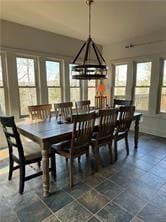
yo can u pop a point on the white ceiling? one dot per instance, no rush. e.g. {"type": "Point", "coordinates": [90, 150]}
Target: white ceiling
{"type": "Point", "coordinates": [112, 21]}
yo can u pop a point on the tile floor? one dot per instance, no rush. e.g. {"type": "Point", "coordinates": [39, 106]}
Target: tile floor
{"type": "Point", "coordinates": [132, 189]}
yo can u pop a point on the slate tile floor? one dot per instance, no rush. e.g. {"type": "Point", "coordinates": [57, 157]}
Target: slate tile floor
{"type": "Point", "coordinates": [132, 189]}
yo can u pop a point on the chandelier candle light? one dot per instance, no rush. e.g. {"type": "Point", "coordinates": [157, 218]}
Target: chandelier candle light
{"type": "Point", "coordinates": [89, 69]}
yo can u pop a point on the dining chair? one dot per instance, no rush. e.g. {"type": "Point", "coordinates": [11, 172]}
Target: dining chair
{"type": "Point", "coordinates": [41, 112]}
{"type": "Point", "coordinates": [83, 126]}
{"type": "Point", "coordinates": [19, 154]}
{"type": "Point", "coordinates": [64, 109]}
{"type": "Point", "coordinates": [100, 102]}
{"type": "Point", "coordinates": [122, 102]}
{"type": "Point", "coordinates": [104, 134]}
{"type": "Point", "coordinates": [125, 116]}
{"type": "Point", "coordinates": [82, 106]}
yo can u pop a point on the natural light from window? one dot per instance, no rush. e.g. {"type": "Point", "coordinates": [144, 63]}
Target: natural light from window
{"type": "Point", "coordinates": [143, 80]}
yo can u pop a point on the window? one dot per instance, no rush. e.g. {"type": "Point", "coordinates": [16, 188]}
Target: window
{"type": "Point", "coordinates": [2, 96]}
{"type": "Point", "coordinates": [75, 87]}
{"type": "Point", "coordinates": [120, 81]}
{"type": "Point", "coordinates": [92, 91]}
{"type": "Point", "coordinates": [143, 78]}
{"type": "Point", "coordinates": [163, 90]}
{"type": "Point", "coordinates": [26, 83]}
{"type": "Point", "coordinates": [53, 81]}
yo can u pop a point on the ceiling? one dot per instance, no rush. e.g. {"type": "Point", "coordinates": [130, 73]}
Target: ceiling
{"type": "Point", "coordinates": [112, 21]}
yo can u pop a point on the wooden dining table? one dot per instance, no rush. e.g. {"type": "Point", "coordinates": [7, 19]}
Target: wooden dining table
{"type": "Point", "coordinates": [48, 132]}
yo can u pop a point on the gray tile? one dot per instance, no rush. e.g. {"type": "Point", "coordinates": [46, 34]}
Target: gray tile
{"type": "Point", "coordinates": [136, 219]}
{"type": "Point", "coordinates": [113, 213]}
{"type": "Point", "coordinates": [130, 202]}
{"type": "Point", "coordinates": [141, 190]}
{"type": "Point", "coordinates": [109, 189]}
{"type": "Point", "coordinates": [93, 219]}
{"type": "Point", "coordinates": [73, 212]}
{"type": "Point", "coordinates": [77, 189]}
{"type": "Point", "coordinates": [51, 218]}
{"type": "Point", "coordinates": [108, 171]}
{"type": "Point", "coordinates": [153, 180]}
{"type": "Point", "coordinates": [159, 200]}
{"type": "Point", "coordinates": [35, 212]}
{"type": "Point", "coordinates": [158, 171]}
{"type": "Point", "coordinates": [153, 214]}
{"type": "Point", "coordinates": [6, 213]}
{"type": "Point", "coordinates": [93, 200]}
{"type": "Point", "coordinates": [18, 201]}
{"type": "Point", "coordinates": [57, 200]}
{"type": "Point", "coordinates": [94, 180]}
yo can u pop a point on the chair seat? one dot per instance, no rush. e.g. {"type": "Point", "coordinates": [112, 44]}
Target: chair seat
{"type": "Point", "coordinates": [31, 151]}
{"type": "Point", "coordinates": [62, 146]}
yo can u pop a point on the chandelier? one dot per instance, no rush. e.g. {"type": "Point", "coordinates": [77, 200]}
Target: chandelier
{"type": "Point", "coordinates": [89, 69]}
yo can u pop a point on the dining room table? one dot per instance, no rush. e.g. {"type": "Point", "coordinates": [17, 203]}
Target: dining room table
{"type": "Point", "coordinates": [49, 132]}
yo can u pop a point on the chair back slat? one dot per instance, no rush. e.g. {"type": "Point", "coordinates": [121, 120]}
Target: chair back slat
{"type": "Point", "coordinates": [12, 136]}
{"type": "Point", "coordinates": [65, 109]}
{"type": "Point", "coordinates": [82, 106]}
{"type": "Point", "coordinates": [100, 102]}
{"type": "Point", "coordinates": [122, 102]}
{"type": "Point", "coordinates": [40, 112]}
{"type": "Point", "coordinates": [125, 116]}
{"type": "Point", "coordinates": [107, 123]}
{"type": "Point", "coordinates": [83, 126]}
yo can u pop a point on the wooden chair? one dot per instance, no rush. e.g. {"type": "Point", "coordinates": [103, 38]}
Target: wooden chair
{"type": "Point", "coordinates": [40, 111]}
{"type": "Point", "coordinates": [125, 115]}
{"type": "Point", "coordinates": [104, 134]}
{"type": "Point", "coordinates": [122, 102]}
{"type": "Point", "coordinates": [100, 102]}
{"type": "Point", "coordinates": [64, 109]}
{"type": "Point", "coordinates": [83, 125]}
{"type": "Point", "coordinates": [82, 106]}
{"type": "Point", "coordinates": [20, 155]}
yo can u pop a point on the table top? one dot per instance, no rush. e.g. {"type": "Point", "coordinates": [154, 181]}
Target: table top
{"type": "Point", "coordinates": [49, 129]}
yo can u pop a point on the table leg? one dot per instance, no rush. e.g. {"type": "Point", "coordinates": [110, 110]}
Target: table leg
{"type": "Point", "coordinates": [136, 133]}
{"type": "Point", "coordinates": [45, 166]}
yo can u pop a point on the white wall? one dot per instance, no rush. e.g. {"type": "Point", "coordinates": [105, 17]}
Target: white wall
{"type": "Point", "coordinates": [153, 122]}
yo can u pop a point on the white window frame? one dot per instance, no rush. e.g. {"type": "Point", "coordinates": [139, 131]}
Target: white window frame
{"type": "Point", "coordinates": [80, 87]}
{"type": "Point", "coordinates": [161, 83]}
{"type": "Point", "coordinates": [26, 56]}
{"type": "Point", "coordinates": [91, 87]}
{"type": "Point", "coordinates": [61, 86]}
{"type": "Point", "coordinates": [114, 86]}
{"type": "Point", "coordinates": [135, 84]}
{"type": "Point", "coordinates": [4, 80]}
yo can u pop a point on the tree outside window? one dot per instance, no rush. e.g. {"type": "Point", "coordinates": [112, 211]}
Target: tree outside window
{"type": "Point", "coordinates": [120, 81]}
{"type": "Point", "coordinates": [75, 87]}
{"type": "Point", "coordinates": [163, 90]}
{"type": "Point", "coordinates": [2, 96]}
{"type": "Point", "coordinates": [143, 80]}
{"type": "Point", "coordinates": [53, 81]}
{"type": "Point", "coordinates": [26, 83]}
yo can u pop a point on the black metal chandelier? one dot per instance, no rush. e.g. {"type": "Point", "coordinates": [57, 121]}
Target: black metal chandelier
{"type": "Point", "coordinates": [89, 69]}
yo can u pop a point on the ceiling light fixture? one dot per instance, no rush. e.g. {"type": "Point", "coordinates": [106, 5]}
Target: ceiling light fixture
{"type": "Point", "coordinates": [89, 69]}
{"type": "Point", "coordinates": [143, 43]}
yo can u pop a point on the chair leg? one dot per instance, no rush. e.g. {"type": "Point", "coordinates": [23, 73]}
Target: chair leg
{"type": "Point", "coordinates": [39, 164]}
{"type": "Point", "coordinates": [115, 149]}
{"type": "Point", "coordinates": [22, 179]}
{"type": "Point", "coordinates": [96, 153]}
{"type": "Point", "coordinates": [79, 159]}
{"type": "Point", "coordinates": [127, 144]}
{"type": "Point", "coordinates": [53, 166]}
{"type": "Point", "coordinates": [10, 169]}
{"type": "Point", "coordinates": [88, 160]}
{"type": "Point", "coordinates": [110, 152]}
{"type": "Point", "coordinates": [71, 172]}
